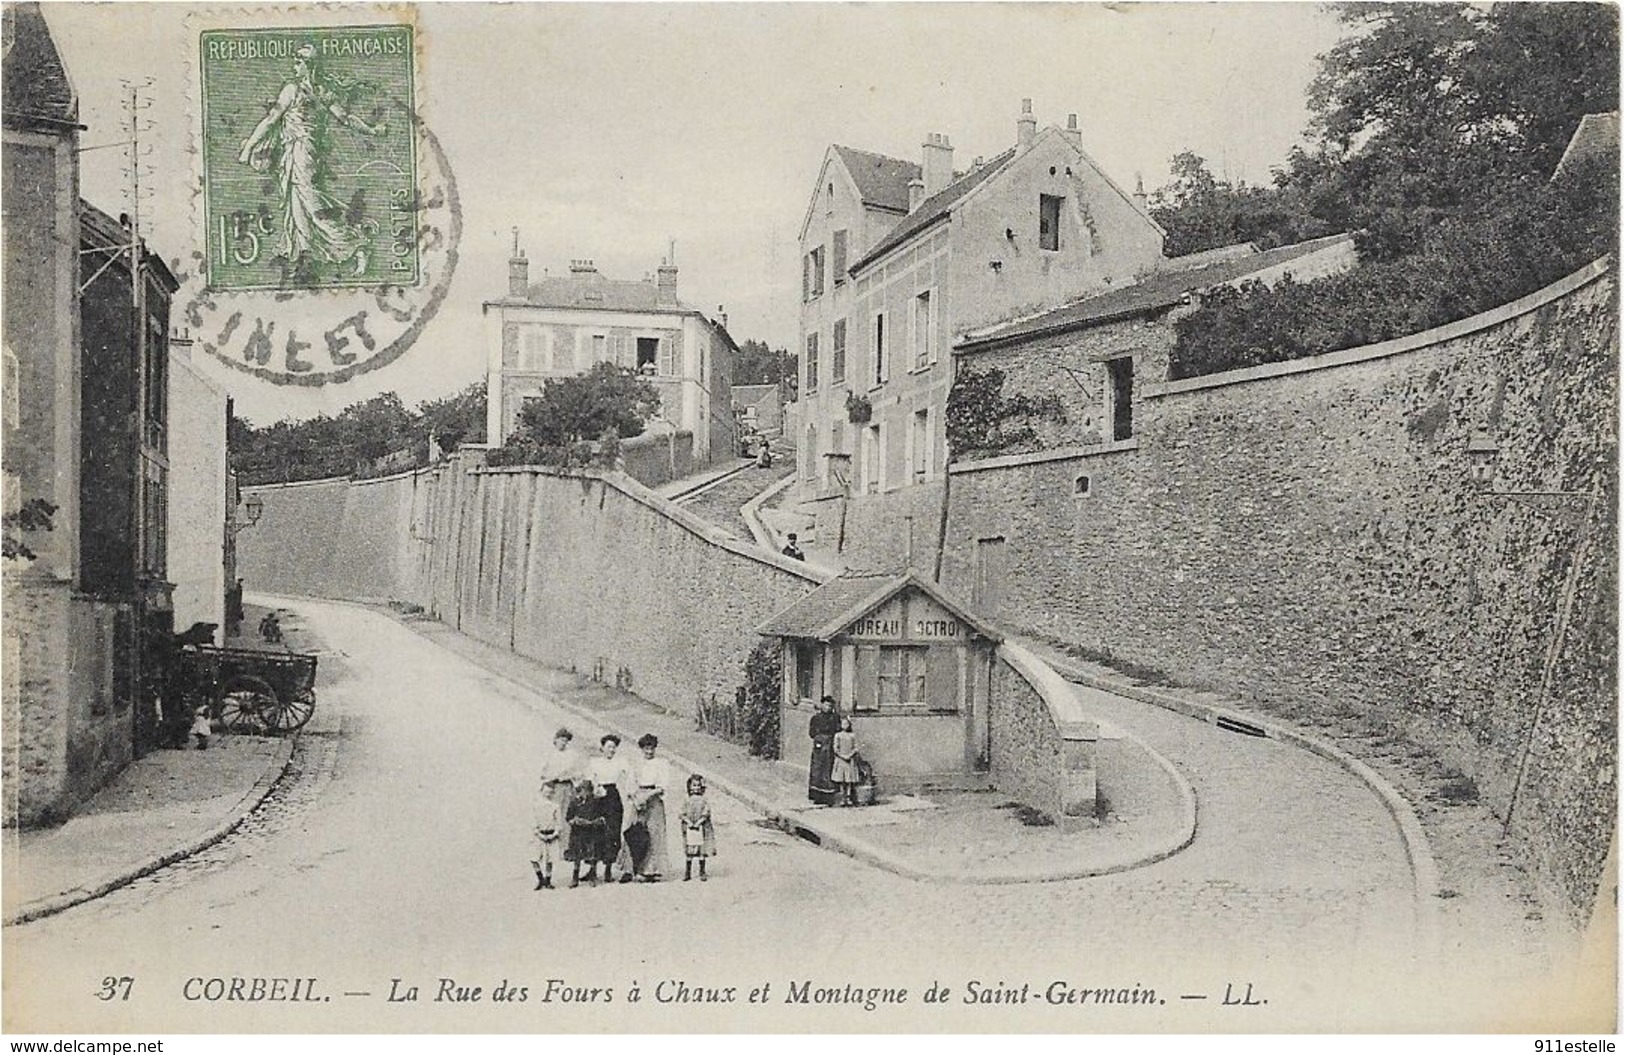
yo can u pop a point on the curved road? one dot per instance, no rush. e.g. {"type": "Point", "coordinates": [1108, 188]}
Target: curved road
{"type": "Point", "coordinates": [398, 851]}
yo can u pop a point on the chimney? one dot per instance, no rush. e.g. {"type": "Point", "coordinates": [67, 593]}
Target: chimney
{"type": "Point", "coordinates": [937, 163]}
{"type": "Point", "coordinates": [518, 270]}
{"type": "Point", "coordinates": [1026, 125]}
{"type": "Point", "coordinates": [666, 278]}
{"type": "Point", "coordinates": [1073, 133]}
{"type": "Point", "coordinates": [916, 193]}
{"type": "Point", "coordinates": [583, 267]}
{"type": "Point", "coordinates": [1139, 193]}
{"type": "Point", "coordinates": [722, 316]}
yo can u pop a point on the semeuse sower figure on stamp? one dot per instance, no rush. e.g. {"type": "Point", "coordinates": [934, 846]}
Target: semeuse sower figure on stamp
{"type": "Point", "coordinates": [295, 136]}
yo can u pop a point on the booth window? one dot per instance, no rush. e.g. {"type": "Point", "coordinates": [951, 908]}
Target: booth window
{"type": "Point", "coordinates": [902, 676]}
{"type": "Point", "coordinates": [807, 671]}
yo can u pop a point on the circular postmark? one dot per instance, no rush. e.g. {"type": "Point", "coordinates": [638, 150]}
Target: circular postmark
{"type": "Point", "coordinates": [331, 216]}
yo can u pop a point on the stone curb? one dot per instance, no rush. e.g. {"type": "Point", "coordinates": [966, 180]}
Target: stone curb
{"type": "Point", "coordinates": [863, 849]}
{"type": "Point", "coordinates": [750, 512]}
{"type": "Point", "coordinates": [712, 480]}
{"type": "Point", "coordinates": [40, 908]}
{"type": "Point", "coordinates": [1424, 870]}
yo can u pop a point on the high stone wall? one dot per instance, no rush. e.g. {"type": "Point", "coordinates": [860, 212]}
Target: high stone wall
{"type": "Point", "coordinates": [1306, 538]}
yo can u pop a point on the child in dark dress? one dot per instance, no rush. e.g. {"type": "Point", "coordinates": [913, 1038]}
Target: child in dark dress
{"type": "Point", "coordinates": [585, 819]}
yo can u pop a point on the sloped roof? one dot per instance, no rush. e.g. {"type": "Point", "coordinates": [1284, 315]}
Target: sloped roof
{"type": "Point", "coordinates": [834, 606]}
{"type": "Point", "coordinates": [1596, 134]}
{"type": "Point", "coordinates": [935, 208]}
{"type": "Point", "coordinates": [881, 180]}
{"type": "Point", "coordinates": [593, 290]}
{"type": "Point", "coordinates": [1160, 289]}
{"type": "Point", "coordinates": [106, 231]}
{"type": "Point", "coordinates": [36, 89]}
{"type": "Point", "coordinates": [746, 395]}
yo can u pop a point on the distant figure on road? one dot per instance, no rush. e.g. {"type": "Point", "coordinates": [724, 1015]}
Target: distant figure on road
{"type": "Point", "coordinates": [764, 457]}
{"type": "Point", "coordinates": [271, 628]}
{"type": "Point", "coordinates": [791, 549]}
{"type": "Point", "coordinates": [822, 729]}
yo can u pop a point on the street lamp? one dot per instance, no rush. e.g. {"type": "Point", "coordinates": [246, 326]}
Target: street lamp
{"type": "Point", "coordinates": [254, 506]}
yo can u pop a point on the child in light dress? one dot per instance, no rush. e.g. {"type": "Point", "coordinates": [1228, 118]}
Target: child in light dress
{"type": "Point", "coordinates": [549, 828]}
{"type": "Point", "coordinates": [699, 837]}
{"type": "Point", "coordinates": [844, 771]}
{"type": "Point", "coordinates": [202, 727]}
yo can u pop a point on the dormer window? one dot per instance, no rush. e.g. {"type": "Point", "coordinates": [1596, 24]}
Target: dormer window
{"type": "Point", "coordinates": [1049, 221]}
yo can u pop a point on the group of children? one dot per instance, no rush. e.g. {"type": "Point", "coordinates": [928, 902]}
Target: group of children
{"type": "Point", "coordinates": [578, 819]}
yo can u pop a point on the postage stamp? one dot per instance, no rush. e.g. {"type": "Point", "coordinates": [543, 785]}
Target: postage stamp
{"type": "Point", "coordinates": [310, 168]}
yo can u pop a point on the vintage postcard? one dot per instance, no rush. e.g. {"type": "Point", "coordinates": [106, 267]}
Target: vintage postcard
{"type": "Point", "coordinates": [810, 518]}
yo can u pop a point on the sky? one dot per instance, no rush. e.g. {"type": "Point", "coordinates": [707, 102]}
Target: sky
{"type": "Point", "coordinates": [605, 131]}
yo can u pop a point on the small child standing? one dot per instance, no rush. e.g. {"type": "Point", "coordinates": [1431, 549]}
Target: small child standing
{"type": "Point", "coordinates": [586, 820]}
{"type": "Point", "coordinates": [202, 727]}
{"type": "Point", "coordinates": [844, 772]}
{"type": "Point", "coordinates": [699, 838]}
{"type": "Point", "coordinates": [549, 823]}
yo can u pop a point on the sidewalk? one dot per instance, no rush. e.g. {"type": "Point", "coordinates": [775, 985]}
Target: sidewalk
{"type": "Point", "coordinates": [161, 808]}
{"type": "Point", "coordinates": [970, 837]}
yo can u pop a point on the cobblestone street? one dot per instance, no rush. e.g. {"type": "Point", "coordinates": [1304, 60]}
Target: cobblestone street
{"type": "Point", "coordinates": [394, 855]}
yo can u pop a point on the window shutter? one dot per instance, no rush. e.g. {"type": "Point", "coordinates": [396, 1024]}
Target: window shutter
{"type": "Point", "coordinates": [838, 252]}
{"type": "Point", "coordinates": [942, 680]}
{"type": "Point", "coordinates": [806, 277]}
{"type": "Point", "coordinates": [866, 679]}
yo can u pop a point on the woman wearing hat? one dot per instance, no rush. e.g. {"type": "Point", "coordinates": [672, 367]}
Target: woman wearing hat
{"type": "Point", "coordinates": [651, 777]}
{"type": "Point", "coordinates": [561, 767]}
{"type": "Point", "coordinates": [609, 778]}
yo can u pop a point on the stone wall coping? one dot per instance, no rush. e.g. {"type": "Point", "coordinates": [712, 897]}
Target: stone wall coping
{"type": "Point", "coordinates": [1397, 346]}
{"type": "Point", "coordinates": [246, 488]}
{"type": "Point", "coordinates": [1060, 454]}
{"type": "Point", "coordinates": [1056, 692]}
{"type": "Point", "coordinates": [751, 513]}
{"type": "Point", "coordinates": [691, 523]}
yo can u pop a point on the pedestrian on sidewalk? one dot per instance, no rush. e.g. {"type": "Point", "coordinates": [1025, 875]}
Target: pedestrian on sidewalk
{"type": "Point", "coordinates": [586, 821]}
{"type": "Point", "coordinates": [651, 777]}
{"type": "Point", "coordinates": [609, 777]}
{"type": "Point", "coordinates": [549, 826]}
{"type": "Point", "coordinates": [791, 549]}
{"type": "Point", "coordinates": [822, 729]}
{"type": "Point", "coordinates": [699, 836]}
{"type": "Point", "coordinates": [844, 772]}
{"type": "Point", "coordinates": [561, 768]}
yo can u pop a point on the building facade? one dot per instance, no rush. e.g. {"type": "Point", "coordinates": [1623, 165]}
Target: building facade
{"type": "Point", "coordinates": [899, 259]}
{"type": "Point", "coordinates": [199, 493]}
{"type": "Point", "coordinates": [86, 445]}
{"type": "Point", "coordinates": [562, 326]}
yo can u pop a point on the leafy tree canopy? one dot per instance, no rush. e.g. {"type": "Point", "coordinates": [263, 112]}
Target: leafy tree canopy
{"type": "Point", "coordinates": [378, 434]}
{"type": "Point", "coordinates": [608, 403]}
{"type": "Point", "coordinates": [757, 365]}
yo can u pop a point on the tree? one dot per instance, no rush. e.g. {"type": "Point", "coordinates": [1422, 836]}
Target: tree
{"type": "Point", "coordinates": [756, 365]}
{"type": "Point", "coordinates": [559, 426]}
{"type": "Point", "coordinates": [1199, 211]}
{"type": "Point", "coordinates": [454, 419]}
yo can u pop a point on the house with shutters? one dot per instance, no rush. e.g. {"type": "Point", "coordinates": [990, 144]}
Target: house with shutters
{"type": "Point", "coordinates": [901, 257]}
{"type": "Point", "coordinates": [562, 325]}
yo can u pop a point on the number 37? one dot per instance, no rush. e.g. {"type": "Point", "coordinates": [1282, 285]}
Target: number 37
{"type": "Point", "coordinates": [115, 988]}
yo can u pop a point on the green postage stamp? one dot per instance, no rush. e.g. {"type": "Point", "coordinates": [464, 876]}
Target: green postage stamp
{"type": "Point", "coordinates": [309, 159]}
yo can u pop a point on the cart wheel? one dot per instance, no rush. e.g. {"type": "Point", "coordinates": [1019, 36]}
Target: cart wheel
{"type": "Point", "coordinates": [244, 703]}
{"type": "Point", "coordinates": [285, 716]}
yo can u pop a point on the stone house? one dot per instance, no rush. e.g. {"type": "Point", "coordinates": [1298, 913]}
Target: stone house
{"type": "Point", "coordinates": [1095, 354]}
{"type": "Point", "coordinates": [899, 259]}
{"type": "Point", "coordinates": [564, 325]}
{"type": "Point", "coordinates": [759, 407]}
{"type": "Point", "coordinates": [85, 355]}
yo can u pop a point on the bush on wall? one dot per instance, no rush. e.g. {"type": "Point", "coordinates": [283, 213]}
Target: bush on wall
{"type": "Point", "coordinates": [983, 422]}
{"type": "Point", "coordinates": [1522, 239]}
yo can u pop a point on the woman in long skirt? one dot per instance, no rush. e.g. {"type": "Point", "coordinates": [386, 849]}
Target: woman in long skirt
{"type": "Point", "coordinates": [822, 729]}
{"type": "Point", "coordinates": [651, 777]}
{"type": "Point", "coordinates": [609, 776]}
